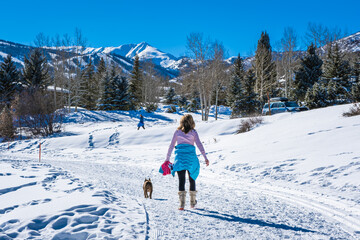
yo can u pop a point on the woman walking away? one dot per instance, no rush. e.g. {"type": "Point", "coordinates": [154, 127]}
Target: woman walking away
{"type": "Point", "coordinates": [141, 123]}
{"type": "Point", "coordinates": [185, 158]}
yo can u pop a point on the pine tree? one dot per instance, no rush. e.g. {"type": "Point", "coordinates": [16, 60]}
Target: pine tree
{"type": "Point", "coordinates": [355, 92]}
{"type": "Point", "coordinates": [90, 87]}
{"type": "Point", "coordinates": [170, 96]}
{"type": "Point", "coordinates": [106, 96]}
{"type": "Point", "coordinates": [7, 129]}
{"type": "Point", "coordinates": [99, 75]}
{"type": "Point", "coordinates": [355, 89]}
{"type": "Point", "coordinates": [336, 68]}
{"type": "Point", "coordinates": [308, 73]}
{"type": "Point", "coordinates": [194, 104]}
{"type": "Point", "coordinates": [235, 87]}
{"type": "Point", "coordinates": [265, 68]}
{"type": "Point", "coordinates": [9, 78]}
{"type": "Point", "coordinates": [316, 96]}
{"type": "Point", "coordinates": [120, 95]}
{"type": "Point", "coordinates": [135, 87]}
{"type": "Point", "coordinates": [35, 72]}
{"type": "Point", "coordinates": [332, 92]}
{"type": "Point", "coordinates": [182, 102]}
{"type": "Point", "coordinates": [249, 104]}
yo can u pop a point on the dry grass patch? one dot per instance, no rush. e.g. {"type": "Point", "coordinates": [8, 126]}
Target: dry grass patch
{"type": "Point", "coordinates": [248, 124]}
{"type": "Point", "coordinates": [353, 111]}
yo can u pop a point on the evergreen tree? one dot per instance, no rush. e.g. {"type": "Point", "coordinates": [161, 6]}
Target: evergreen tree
{"type": "Point", "coordinates": [249, 104]}
{"type": "Point", "coordinates": [135, 87]}
{"type": "Point", "coordinates": [235, 87]}
{"type": "Point", "coordinates": [336, 68]}
{"type": "Point", "coordinates": [90, 87]}
{"type": "Point", "coordinates": [9, 78]}
{"type": "Point", "coordinates": [308, 73]}
{"type": "Point", "coordinates": [99, 75]}
{"type": "Point", "coordinates": [194, 104]}
{"type": "Point", "coordinates": [115, 91]}
{"type": "Point", "coordinates": [35, 72]}
{"type": "Point", "coordinates": [316, 96]}
{"type": "Point", "coordinates": [106, 96]}
{"type": "Point", "coordinates": [265, 68]}
{"type": "Point", "coordinates": [120, 94]}
{"type": "Point", "coordinates": [332, 91]}
{"type": "Point", "coordinates": [355, 92]}
{"type": "Point", "coordinates": [7, 129]}
{"type": "Point", "coordinates": [170, 96]}
{"type": "Point", "coordinates": [355, 89]}
{"type": "Point", "coordinates": [182, 101]}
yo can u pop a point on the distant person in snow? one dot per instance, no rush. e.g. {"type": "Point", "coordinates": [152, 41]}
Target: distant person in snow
{"type": "Point", "coordinates": [185, 158]}
{"type": "Point", "coordinates": [141, 123]}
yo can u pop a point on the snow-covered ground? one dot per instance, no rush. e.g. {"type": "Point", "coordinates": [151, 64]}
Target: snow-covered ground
{"type": "Point", "coordinates": [296, 176]}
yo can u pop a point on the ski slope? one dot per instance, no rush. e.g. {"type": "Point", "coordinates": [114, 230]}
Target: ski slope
{"type": "Point", "coordinates": [296, 176]}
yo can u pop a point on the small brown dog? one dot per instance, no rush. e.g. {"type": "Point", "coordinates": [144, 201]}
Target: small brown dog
{"type": "Point", "coordinates": [148, 187]}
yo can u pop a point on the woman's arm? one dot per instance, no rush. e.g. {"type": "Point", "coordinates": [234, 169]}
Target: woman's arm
{"type": "Point", "coordinates": [172, 145]}
{"type": "Point", "coordinates": [200, 146]}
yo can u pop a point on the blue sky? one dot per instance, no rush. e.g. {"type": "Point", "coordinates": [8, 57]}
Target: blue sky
{"type": "Point", "coordinates": [165, 24]}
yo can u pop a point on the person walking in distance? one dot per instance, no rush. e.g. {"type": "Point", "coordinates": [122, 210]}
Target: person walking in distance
{"type": "Point", "coordinates": [185, 158]}
{"type": "Point", "coordinates": [141, 122]}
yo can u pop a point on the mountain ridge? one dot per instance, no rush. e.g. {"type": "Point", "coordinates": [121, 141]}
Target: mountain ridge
{"type": "Point", "coordinates": [123, 55]}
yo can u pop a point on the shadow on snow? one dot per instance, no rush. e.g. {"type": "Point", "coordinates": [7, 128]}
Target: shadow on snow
{"type": "Point", "coordinates": [232, 218]}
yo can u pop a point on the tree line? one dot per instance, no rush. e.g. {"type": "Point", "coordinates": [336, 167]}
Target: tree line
{"type": "Point", "coordinates": [35, 98]}
{"type": "Point", "coordinates": [322, 76]}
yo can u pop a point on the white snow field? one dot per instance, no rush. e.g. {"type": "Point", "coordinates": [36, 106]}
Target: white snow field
{"type": "Point", "coordinates": [296, 176]}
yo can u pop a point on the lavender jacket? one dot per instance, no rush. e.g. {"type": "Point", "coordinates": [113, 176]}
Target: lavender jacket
{"type": "Point", "coordinates": [182, 138]}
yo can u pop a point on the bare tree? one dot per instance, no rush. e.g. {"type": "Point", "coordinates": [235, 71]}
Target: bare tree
{"type": "Point", "coordinates": [317, 34]}
{"type": "Point", "coordinates": [41, 40]}
{"type": "Point", "coordinates": [80, 43]}
{"type": "Point", "coordinates": [288, 43]}
{"type": "Point", "coordinates": [218, 74]}
{"type": "Point", "coordinates": [151, 85]}
{"type": "Point", "coordinates": [321, 36]}
{"type": "Point", "coordinates": [199, 49]}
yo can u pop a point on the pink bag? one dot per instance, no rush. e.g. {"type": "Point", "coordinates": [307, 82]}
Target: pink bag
{"type": "Point", "coordinates": [166, 168]}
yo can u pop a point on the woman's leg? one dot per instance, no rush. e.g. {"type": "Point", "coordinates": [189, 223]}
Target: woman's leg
{"type": "Point", "coordinates": [192, 183]}
{"type": "Point", "coordinates": [181, 175]}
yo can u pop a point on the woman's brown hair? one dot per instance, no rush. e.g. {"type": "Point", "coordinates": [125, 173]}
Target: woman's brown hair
{"type": "Point", "coordinates": [186, 123]}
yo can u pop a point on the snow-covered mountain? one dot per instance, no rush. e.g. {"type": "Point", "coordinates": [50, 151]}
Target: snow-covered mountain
{"type": "Point", "coordinates": [165, 63]}
{"type": "Point", "coordinates": [123, 55]}
{"type": "Point", "coordinates": [350, 43]}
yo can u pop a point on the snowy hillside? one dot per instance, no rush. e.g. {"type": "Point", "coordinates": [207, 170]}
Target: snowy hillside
{"type": "Point", "coordinates": [296, 176]}
{"type": "Point", "coordinates": [350, 43]}
{"type": "Point", "coordinates": [166, 64]}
